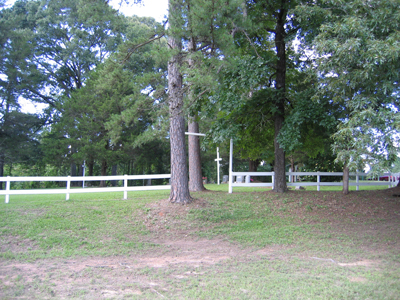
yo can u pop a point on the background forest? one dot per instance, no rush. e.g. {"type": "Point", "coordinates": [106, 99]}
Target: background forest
{"type": "Point", "coordinates": [306, 84]}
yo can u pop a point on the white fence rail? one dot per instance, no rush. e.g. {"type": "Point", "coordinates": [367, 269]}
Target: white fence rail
{"type": "Point", "coordinates": [392, 179]}
{"type": "Point", "coordinates": [125, 188]}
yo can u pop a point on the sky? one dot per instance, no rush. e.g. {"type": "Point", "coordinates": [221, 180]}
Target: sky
{"type": "Point", "coordinates": [158, 9]}
{"type": "Point", "coordinates": [150, 8]}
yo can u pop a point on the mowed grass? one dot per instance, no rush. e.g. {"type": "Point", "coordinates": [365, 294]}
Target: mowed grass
{"type": "Point", "coordinates": [44, 226]}
{"type": "Point", "coordinates": [313, 245]}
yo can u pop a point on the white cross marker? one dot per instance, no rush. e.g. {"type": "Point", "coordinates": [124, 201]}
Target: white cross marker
{"type": "Point", "coordinates": [218, 160]}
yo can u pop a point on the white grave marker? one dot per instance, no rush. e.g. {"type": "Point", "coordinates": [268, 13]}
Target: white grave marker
{"type": "Point", "coordinates": [218, 159]}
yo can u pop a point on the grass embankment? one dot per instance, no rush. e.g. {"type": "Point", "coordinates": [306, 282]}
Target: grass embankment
{"type": "Point", "coordinates": [252, 244]}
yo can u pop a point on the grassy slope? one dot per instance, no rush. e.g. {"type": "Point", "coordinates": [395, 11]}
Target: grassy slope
{"type": "Point", "coordinates": [314, 232]}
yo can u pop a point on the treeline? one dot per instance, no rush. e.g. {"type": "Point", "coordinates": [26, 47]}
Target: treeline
{"type": "Point", "coordinates": [311, 85]}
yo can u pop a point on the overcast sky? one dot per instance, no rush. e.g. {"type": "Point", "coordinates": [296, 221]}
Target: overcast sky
{"type": "Point", "coordinates": [150, 8]}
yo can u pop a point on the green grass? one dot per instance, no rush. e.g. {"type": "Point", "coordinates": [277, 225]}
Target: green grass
{"type": "Point", "coordinates": [225, 187]}
{"type": "Point", "coordinates": [306, 234]}
{"type": "Point", "coordinates": [293, 279]}
{"type": "Point", "coordinates": [87, 224]}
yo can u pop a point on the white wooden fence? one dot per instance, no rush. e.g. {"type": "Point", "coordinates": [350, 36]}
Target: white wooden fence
{"type": "Point", "coordinates": [125, 188]}
{"type": "Point", "coordinates": [393, 179]}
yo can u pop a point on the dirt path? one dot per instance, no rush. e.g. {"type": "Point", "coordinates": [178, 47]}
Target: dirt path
{"type": "Point", "coordinates": [109, 277]}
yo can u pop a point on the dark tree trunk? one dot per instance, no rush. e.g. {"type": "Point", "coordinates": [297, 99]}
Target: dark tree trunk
{"type": "Point", "coordinates": [73, 173]}
{"type": "Point", "coordinates": [346, 178]}
{"type": "Point", "coordinates": [195, 175]}
{"type": "Point", "coordinates": [279, 168]}
{"type": "Point", "coordinates": [253, 165]}
{"type": "Point", "coordinates": [114, 172]}
{"type": "Point", "coordinates": [179, 173]}
{"type": "Point", "coordinates": [103, 172]}
{"type": "Point", "coordinates": [90, 167]}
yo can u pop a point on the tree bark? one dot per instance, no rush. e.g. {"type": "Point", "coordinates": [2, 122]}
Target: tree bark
{"type": "Point", "coordinates": [73, 174]}
{"type": "Point", "coordinates": [114, 169]}
{"type": "Point", "coordinates": [346, 178]}
{"type": "Point", "coordinates": [253, 165]}
{"type": "Point", "coordinates": [103, 172]}
{"type": "Point", "coordinates": [279, 167]}
{"type": "Point", "coordinates": [90, 167]}
{"type": "Point", "coordinates": [179, 174]}
{"type": "Point", "coordinates": [195, 175]}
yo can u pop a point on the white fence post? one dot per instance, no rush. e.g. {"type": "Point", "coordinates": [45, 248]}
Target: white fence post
{"type": "Point", "coordinates": [318, 181]}
{"type": "Point", "coordinates": [8, 183]}
{"type": "Point", "coordinates": [125, 186]}
{"type": "Point", "coordinates": [230, 166]}
{"type": "Point", "coordinates": [68, 187]}
{"type": "Point", "coordinates": [273, 179]}
{"type": "Point", "coordinates": [357, 181]}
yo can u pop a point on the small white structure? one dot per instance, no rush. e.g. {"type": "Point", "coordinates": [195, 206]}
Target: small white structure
{"type": "Point", "coordinates": [218, 159]}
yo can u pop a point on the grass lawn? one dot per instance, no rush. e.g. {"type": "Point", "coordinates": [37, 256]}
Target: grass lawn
{"type": "Point", "coordinates": [252, 244]}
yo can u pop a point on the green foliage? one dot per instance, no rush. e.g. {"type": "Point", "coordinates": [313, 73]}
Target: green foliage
{"type": "Point", "coordinates": [359, 63]}
{"type": "Point", "coordinates": [114, 118]}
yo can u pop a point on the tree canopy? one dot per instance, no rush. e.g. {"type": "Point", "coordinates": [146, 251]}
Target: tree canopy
{"type": "Point", "coordinates": [290, 81]}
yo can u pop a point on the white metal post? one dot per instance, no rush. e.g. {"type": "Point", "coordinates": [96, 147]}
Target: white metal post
{"type": "Point", "coordinates": [125, 186]}
{"type": "Point", "coordinates": [273, 179]}
{"type": "Point", "coordinates": [218, 160]}
{"type": "Point", "coordinates": [230, 166]}
{"type": "Point", "coordinates": [68, 187]}
{"type": "Point", "coordinates": [357, 181]}
{"type": "Point", "coordinates": [8, 183]}
{"type": "Point", "coordinates": [318, 181]}
{"type": "Point", "coordinates": [84, 168]}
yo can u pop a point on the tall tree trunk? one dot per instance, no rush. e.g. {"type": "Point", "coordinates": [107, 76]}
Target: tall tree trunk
{"type": "Point", "coordinates": [73, 173]}
{"type": "Point", "coordinates": [253, 165]}
{"type": "Point", "coordinates": [346, 178]}
{"type": "Point", "coordinates": [114, 169]}
{"type": "Point", "coordinates": [195, 175]}
{"type": "Point", "coordinates": [90, 167]}
{"type": "Point", "coordinates": [279, 168]}
{"type": "Point", "coordinates": [179, 173]}
{"type": "Point", "coordinates": [103, 172]}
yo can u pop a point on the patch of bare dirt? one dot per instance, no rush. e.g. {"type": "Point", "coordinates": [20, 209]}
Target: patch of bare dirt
{"type": "Point", "coordinates": [365, 263]}
{"type": "Point", "coordinates": [103, 277]}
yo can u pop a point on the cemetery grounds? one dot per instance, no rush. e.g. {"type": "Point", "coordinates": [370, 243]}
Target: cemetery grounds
{"type": "Point", "coordinates": [252, 244]}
